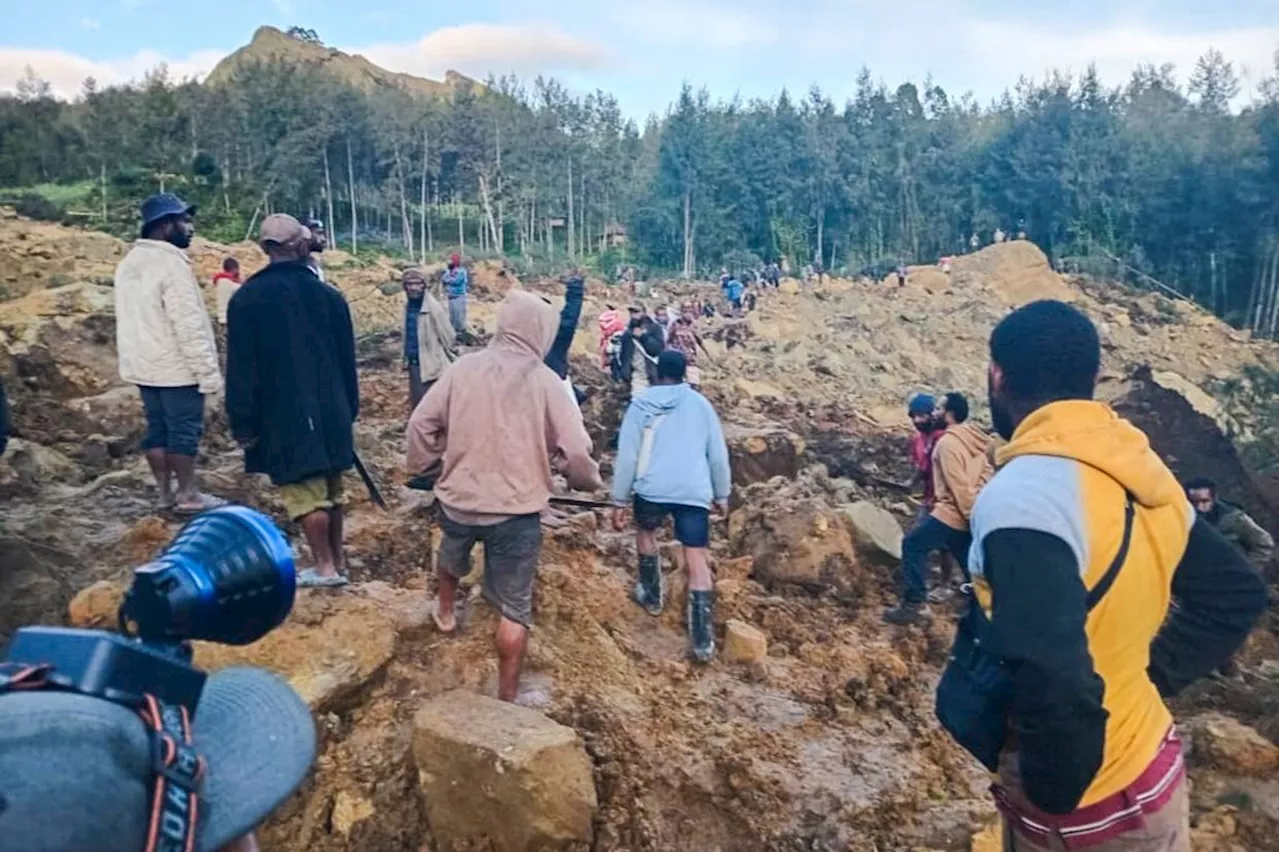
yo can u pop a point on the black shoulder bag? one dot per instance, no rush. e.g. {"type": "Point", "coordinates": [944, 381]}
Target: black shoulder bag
{"type": "Point", "coordinates": [972, 700]}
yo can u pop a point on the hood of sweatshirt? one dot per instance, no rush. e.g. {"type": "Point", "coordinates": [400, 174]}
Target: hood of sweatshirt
{"type": "Point", "coordinates": [526, 325]}
{"type": "Point", "coordinates": [1091, 433]}
{"type": "Point", "coordinates": [662, 399]}
{"type": "Point", "coordinates": [973, 439]}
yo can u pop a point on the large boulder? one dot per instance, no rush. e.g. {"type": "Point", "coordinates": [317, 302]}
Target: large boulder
{"type": "Point", "coordinates": [491, 770]}
{"type": "Point", "coordinates": [331, 650]}
{"type": "Point", "coordinates": [804, 543]}
{"type": "Point", "coordinates": [116, 413]}
{"type": "Point", "coordinates": [875, 530]}
{"type": "Point", "coordinates": [757, 455]}
{"type": "Point", "coordinates": [36, 583]}
{"type": "Point", "coordinates": [1222, 743]}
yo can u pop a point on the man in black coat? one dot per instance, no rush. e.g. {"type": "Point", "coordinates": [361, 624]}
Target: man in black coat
{"type": "Point", "coordinates": [643, 343]}
{"type": "Point", "coordinates": [292, 391]}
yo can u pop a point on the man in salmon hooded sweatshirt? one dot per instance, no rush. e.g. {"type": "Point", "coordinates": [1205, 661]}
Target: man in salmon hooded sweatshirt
{"type": "Point", "coordinates": [1080, 543]}
{"type": "Point", "coordinates": [495, 422]}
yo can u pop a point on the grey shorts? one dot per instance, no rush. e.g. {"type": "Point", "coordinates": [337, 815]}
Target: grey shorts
{"type": "Point", "coordinates": [511, 551]}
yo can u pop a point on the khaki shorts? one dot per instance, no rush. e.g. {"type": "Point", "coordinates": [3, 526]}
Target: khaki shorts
{"type": "Point", "coordinates": [310, 495]}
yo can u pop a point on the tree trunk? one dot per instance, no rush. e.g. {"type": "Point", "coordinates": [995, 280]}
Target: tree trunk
{"type": "Point", "coordinates": [500, 230]}
{"type": "Point", "coordinates": [822, 216]}
{"type": "Point", "coordinates": [488, 212]}
{"type": "Point", "coordinates": [569, 230]}
{"type": "Point", "coordinates": [328, 190]}
{"type": "Point", "coordinates": [102, 180]}
{"type": "Point", "coordinates": [351, 190]}
{"type": "Point", "coordinates": [406, 224]}
{"type": "Point", "coordinates": [687, 271]}
{"type": "Point", "coordinates": [462, 243]}
{"type": "Point", "coordinates": [423, 225]}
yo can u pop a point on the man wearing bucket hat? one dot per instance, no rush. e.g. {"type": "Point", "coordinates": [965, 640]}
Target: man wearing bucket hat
{"type": "Point", "coordinates": [78, 772]}
{"type": "Point", "coordinates": [166, 347]}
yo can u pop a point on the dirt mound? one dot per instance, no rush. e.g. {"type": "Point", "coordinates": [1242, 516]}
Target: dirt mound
{"type": "Point", "coordinates": [1017, 271]}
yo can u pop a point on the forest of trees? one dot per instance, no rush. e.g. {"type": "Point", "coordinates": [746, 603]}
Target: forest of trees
{"type": "Point", "coordinates": [1153, 182]}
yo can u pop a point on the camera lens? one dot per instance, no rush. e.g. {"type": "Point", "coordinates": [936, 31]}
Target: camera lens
{"type": "Point", "coordinates": [227, 577]}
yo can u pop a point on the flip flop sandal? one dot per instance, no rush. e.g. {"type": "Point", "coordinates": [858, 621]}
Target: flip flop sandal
{"type": "Point", "coordinates": [435, 618]}
{"type": "Point", "coordinates": [204, 502]}
{"type": "Point", "coordinates": [309, 579]}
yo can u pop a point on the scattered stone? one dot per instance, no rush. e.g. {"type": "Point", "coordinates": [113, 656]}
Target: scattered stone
{"type": "Point", "coordinates": [493, 771]}
{"type": "Point", "coordinates": [350, 810]}
{"type": "Point", "coordinates": [875, 529]}
{"type": "Point", "coordinates": [990, 839]}
{"type": "Point", "coordinates": [97, 607]}
{"type": "Point", "coordinates": [1223, 743]}
{"type": "Point", "coordinates": [744, 643]}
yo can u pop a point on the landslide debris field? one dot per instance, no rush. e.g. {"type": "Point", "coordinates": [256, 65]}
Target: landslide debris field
{"type": "Point", "coordinates": [826, 741]}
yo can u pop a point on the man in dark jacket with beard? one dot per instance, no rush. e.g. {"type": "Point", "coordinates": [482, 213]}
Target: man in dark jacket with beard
{"type": "Point", "coordinates": [292, 392]}
{"type": "Point", "coordinates": [641, 346]}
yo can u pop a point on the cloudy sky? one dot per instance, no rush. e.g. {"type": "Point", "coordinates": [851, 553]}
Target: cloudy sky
{"type": "Point", "coordinates": [641, 51]}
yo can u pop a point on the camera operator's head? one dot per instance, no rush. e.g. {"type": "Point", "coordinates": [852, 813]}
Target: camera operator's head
{"type": "Point", "coordinates": [77, 772]}
{"type": "Point", "coordinates": [1043, 352]}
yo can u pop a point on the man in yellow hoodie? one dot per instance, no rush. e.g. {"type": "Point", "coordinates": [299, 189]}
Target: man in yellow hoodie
{"type": "Point", "coordinates": [961, 467]}
{"type": "Point", "coordinates": [1079, 544]}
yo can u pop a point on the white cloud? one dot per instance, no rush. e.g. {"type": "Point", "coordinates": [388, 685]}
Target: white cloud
{"type": "Point", "coordinates": [478, 49]}
{"type": "Point", "coordinates": [964, 50]}
{"type": "Point", "coordinates": [90, 24]}
{"type": "Point", "coordinates": [66, 71]}
{"type": "Point", "coordinates": [676, 22]}
{"type": "Point", "coordinates": [1010, 48]}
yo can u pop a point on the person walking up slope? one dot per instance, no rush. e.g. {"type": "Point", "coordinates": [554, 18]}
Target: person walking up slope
{"type": "Point", "coordinates": [492, 423]}
{"type": "Point", "coordinates": [672, 460]}
{"type": "Point", "coordinates": [960, 469]}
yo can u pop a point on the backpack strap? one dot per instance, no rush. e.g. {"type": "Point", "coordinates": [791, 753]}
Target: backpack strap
{"type": "Point", "coordinates": [1095, 595]}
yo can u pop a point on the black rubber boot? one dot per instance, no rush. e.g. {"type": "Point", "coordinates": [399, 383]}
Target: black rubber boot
{"type": "Point", "coordinates": [906, 614]}
{"type": "Point", "coordinates": [701, 616]}
{"type": "Point", "coordinates": [648, 591]}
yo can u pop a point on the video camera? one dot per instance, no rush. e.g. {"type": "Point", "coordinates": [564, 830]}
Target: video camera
{"type": "Point", "coordinates": [228, 577]}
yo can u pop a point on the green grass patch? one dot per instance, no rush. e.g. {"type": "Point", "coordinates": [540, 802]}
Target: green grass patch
{"type": "Point", "coordinates": [61, 194]}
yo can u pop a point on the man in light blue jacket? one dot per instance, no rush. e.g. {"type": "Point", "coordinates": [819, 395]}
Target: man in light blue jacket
{"type": "Point", "coordinates": [672, 460]}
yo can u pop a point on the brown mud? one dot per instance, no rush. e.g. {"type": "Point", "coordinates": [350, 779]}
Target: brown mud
{"type": "Point", "coordinates": [829, 743]}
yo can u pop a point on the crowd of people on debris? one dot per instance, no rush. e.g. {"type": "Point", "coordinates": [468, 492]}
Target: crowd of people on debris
{"type": "Point", "coordinates": [1092, 584]}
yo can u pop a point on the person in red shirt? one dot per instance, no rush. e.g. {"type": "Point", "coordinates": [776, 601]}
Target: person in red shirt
{"type": "Point", "coordinates": [225, 284]}
{"type": "Point", "coordinates": [928, 430]}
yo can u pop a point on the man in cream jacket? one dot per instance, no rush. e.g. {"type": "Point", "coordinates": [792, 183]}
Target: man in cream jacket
{"type": "Point", "coordinates": [165, 344]}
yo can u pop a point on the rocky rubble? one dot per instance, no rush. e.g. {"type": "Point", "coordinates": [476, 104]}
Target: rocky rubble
{"type": "Point", "coordinates": [814, 730]}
